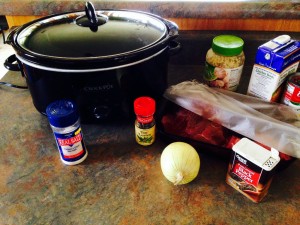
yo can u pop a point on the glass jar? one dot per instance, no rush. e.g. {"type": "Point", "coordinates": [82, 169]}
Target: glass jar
{"type": "Point", "coordinates": [144, 108]}
{"type": "Point", "coordinates": [224, 62]}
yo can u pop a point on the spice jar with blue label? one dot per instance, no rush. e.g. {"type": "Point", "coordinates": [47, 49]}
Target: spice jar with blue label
{"type": "Point", "coordinates": [224, 62]}
{"type": "Point", "coordinates": [65, 123]}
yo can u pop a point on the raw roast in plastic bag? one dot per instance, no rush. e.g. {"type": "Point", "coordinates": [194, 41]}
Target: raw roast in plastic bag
{"type": "Point", "coordinates": [271, 124]}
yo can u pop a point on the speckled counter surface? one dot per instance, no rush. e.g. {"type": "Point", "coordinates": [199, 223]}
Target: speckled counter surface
{"type": "Point", "coordinates": [120, 182]}
{"type": "Point", "coordinates": [276, 9]}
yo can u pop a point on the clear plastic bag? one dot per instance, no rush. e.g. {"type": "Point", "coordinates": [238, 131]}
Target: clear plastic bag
{"type": "Point", "coordinates": [272, 124]}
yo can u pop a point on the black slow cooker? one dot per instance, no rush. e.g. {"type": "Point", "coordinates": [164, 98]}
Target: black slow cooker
{"type": "Point", "coordinates": [101, 59]}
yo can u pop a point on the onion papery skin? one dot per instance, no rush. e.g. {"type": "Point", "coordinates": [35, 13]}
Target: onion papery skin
{"type": "Point", "coordinates": [180, 163]}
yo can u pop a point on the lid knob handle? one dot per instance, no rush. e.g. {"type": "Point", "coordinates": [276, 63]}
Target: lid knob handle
{"type": "Point", "coordinates": [91, 19]}
{"type": "Point", "coordinates": [91, 14]}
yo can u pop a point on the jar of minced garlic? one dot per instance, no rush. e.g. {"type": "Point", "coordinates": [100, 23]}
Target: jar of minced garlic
{"type": "Point", "coordinates": [224, 62]}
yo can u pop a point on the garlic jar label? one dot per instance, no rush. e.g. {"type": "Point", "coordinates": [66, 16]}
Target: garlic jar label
{"type": "Point", "coordinates": [225, 78]}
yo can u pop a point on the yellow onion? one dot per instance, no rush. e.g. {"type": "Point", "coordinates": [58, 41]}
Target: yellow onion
{"type": "Point", "coordinates": [180, 163]}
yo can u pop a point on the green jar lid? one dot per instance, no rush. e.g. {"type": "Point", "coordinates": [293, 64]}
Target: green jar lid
{"type": "Point", "coordinates": [228, 45]}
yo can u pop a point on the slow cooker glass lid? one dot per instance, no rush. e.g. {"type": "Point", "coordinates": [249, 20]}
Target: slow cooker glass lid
{"type": "Point", "coordinates": [61, 36]}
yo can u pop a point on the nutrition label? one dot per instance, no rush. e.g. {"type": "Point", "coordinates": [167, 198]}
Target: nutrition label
{"type": "Point", "coordinates": [262, 82]}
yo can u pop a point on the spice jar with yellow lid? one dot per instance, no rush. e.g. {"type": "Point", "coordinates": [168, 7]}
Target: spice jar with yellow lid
{"type": "Point", "coordinates": [224, 62]}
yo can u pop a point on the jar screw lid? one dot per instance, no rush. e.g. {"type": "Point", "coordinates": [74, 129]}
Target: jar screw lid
{"type": "Point", "coordinates": [144, 106]}
{"type": "Point", "coordinates": [62, 113]}
{"type": "Point", "coordinates": [227, 45]}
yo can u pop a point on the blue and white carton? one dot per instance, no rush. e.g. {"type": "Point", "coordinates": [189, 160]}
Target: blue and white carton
{"type": "Point", "coordinates": [274, 62]}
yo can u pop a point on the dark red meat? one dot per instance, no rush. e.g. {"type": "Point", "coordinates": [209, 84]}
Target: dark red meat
{"type": "Point", "coordinates": [187, 124]}
{"type": "Point", "coordinates": [184, 123]}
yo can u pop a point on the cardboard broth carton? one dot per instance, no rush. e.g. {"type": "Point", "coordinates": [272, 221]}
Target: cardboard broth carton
{"type": "Point", "coordinates": [251, 169]}
{"type": "Point", "coordinates": [274, 61]}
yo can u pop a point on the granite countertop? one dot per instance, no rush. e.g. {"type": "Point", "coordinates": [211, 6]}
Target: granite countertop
{"type": "Point", "coordinates": [121, 182]}
{"type": "Point", "coordinates": [275, 9]}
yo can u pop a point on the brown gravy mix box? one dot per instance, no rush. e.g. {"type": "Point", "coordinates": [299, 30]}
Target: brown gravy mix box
{"type": "Point", "coordinates": [251, 169]}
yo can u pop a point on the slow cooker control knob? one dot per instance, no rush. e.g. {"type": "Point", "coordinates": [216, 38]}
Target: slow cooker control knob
{"type": "Point", "coordinates": [101, 112]}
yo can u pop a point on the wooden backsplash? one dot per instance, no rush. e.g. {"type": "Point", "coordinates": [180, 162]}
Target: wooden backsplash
{"type": "Point", "coordinates": [292, 25]}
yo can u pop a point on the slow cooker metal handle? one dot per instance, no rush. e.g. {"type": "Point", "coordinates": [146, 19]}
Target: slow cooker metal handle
{"type": "Point", "coordinates": [174, 47]}
{"type": "Point", "coordinates": [173, 28]}
{"type": "Point", "coordinates": [10, 65]}
{"type": "Point", "coordinates": [10, 37]}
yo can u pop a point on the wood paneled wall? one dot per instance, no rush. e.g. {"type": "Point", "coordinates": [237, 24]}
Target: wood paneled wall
{"type": "Point", "coordinates": [238, 24]}
{"type": "Point", "coordinates": [207, 24]}
{"type": "Point", "coordinates": [19, 20]}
